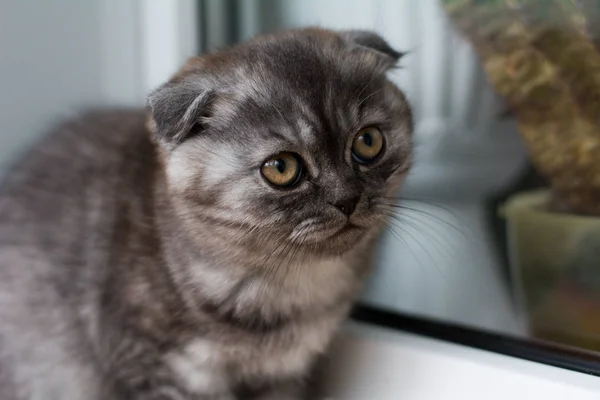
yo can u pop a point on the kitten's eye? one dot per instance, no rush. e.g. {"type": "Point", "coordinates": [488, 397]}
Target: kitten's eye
{"type": "Point", "coordinates": [367, 145]}
{"type": "Point", "coordinates": [284, 169]}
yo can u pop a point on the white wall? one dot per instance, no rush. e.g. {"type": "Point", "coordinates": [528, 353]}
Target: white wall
{"type": "Point", "coordinates": [59, 57]}
{"type": "Point", "coordinates": [50, 64]}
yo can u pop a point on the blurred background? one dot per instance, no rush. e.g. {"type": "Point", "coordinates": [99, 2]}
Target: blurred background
{"type": "Point", "coordinates": [448, 255]}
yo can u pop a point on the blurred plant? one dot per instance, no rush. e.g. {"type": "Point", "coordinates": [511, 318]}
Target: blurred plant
{"type": "Point", "coordinates": [544, 57]}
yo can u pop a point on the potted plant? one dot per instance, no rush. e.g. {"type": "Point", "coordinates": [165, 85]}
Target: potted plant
{"type": "Point", "coordinates": [543, 56]}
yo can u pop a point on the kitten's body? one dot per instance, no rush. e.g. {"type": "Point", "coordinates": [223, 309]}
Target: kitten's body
{"type": "Point", "coordinates": [127, 270]}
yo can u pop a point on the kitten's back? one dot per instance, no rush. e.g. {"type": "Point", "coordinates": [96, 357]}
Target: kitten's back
{"type": "Point", "coordinates": [47, 190]}
{"type": "Point", "coordinates": [65, 190]}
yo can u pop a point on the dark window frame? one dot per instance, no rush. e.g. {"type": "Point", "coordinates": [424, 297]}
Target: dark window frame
{"type": "Point", "coordinates": [546, 353]}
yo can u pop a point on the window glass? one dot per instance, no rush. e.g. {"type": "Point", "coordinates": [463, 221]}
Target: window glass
{"type": "Point", "coordinates": [498, 226]}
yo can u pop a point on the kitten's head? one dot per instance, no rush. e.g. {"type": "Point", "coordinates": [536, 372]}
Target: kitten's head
{"type": "Point", "coordinates": [289, 141]}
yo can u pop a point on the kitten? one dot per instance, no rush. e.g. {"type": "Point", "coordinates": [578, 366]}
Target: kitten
{"type": "Point", "coordinates": [210, 247]}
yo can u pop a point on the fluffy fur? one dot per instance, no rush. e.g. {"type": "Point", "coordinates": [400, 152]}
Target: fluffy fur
{"type": "Point", "coordinates": [143, 255]}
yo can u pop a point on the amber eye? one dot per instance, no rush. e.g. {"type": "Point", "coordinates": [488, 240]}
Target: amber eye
{"type": "Point", "coordinates": [283, 169]}
{"type": "Point", "coordinates": [367, 145]}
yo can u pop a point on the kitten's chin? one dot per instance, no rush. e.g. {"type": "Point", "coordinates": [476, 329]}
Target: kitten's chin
{"type": "Point", "coordinates": [336, 241]}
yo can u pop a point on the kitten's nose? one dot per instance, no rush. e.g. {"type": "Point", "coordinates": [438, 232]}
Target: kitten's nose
{"type": "Point", "coordinates": [347, 206]}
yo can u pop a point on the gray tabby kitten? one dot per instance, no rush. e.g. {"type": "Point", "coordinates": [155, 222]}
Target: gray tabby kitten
{"type": "Point", "coordinates": [210, 247]}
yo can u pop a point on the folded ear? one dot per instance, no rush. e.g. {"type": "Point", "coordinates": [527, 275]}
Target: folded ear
{"type": "Point", "coordinates": [373, 42]}
{"type": "Point", "coordinates": [177, 110]}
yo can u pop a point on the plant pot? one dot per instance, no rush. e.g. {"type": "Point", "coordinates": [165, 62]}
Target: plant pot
{"type": "Point", "coordinates": [555, 259]}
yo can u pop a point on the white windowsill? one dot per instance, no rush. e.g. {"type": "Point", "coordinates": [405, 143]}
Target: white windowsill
{"type": "Point", "coordinates": [372, 363]}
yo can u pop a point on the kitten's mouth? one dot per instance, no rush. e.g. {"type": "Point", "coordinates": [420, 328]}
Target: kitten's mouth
{"type": "Point", "coordinates": [307, 234]}
{"type": "Point", "coordinates": [344, 239]}
{"type": "Point", "coordinates": [333, 240]}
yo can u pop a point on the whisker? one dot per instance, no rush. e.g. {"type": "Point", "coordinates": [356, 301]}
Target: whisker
{"type": "Point", "coordinates": [369, 96]}
{"type": "Point", "coordinates": [271, 267]}
{"type": "Point", "coordinates": [398, 224]}
{"type": "Point", "coordinates": [308, 281]}
{"type": "Point", "coordinates": [279, 112]}
{"type": "Point", "coordinates": [419, 224]}
{"type": "Point", "coordinates": [286, 270]}
{"type": "Point", "coordinates": [439, 245]}
{"type": "Point", "coordinates": [392, 230]}
{"type": "Point", "coordinates": [425, 213]}
{"type": "Point", "coordinates": [426, 202]}
{"type": "Point", "coordinates": [356, 96]}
